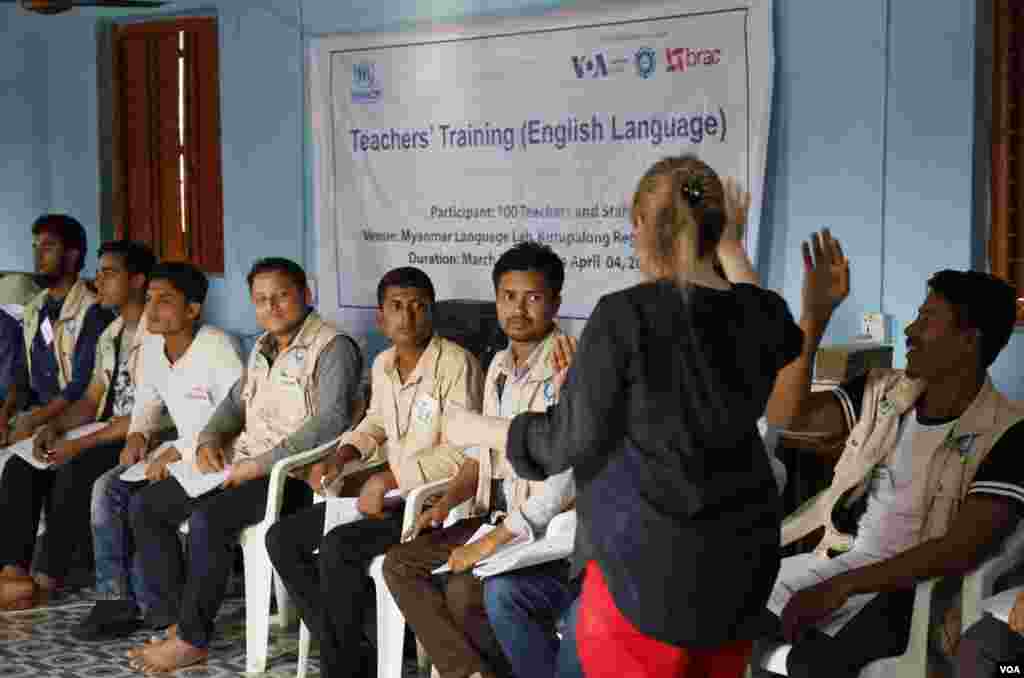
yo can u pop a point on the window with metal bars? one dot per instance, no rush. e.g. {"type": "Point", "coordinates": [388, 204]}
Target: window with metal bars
{"type": "Point", "coordinates": [167, 190]}
{"type": "Point", "coordinates": [1006, 240]}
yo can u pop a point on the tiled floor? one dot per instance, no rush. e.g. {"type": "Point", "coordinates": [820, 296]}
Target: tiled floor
{"type": "Point", "coordinates": [36, 644]}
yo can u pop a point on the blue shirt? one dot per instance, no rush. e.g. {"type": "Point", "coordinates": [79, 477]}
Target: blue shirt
{"type": "Point", "coordinates": [45, 383]}
{"type": "Point", "coordinates": [12, 352]}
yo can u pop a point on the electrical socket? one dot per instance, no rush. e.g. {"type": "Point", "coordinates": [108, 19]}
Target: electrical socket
{"type": "Point", "coordinates": [874, 325]}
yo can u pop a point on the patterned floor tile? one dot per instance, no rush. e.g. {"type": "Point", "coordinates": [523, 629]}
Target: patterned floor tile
{"type": "Point", "coordinates": [37, 644]}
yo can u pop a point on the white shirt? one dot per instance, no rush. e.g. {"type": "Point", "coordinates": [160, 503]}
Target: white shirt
{"type": "Point", "coordinates": [191, 388]}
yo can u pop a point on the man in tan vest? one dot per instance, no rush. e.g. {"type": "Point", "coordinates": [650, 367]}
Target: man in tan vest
{"type": "Point", "coordinates": [297, 392]}
{"type": "Point", "coordinates": [932, 457]}
{"type": "Point", "coordinates": [413, 384]}
{"type": "Point", "coordinates": [450, 620]}
{"type": "Point", "coordinates": [62, 325]}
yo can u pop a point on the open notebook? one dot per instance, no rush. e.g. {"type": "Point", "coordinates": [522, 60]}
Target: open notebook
{"type": "Point", "coordinates": [519, 553]}
{"type": "Point", "coordinates": [24, 448]}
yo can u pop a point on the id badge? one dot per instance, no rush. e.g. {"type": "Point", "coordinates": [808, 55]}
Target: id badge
{"type": "Point", "coordinates": [424, 409]}
{"type": "Point", "coordinates": [47, 330]}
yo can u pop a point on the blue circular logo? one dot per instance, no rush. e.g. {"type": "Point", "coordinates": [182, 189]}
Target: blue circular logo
{"type": "Point", "coordinates": [646, 62]}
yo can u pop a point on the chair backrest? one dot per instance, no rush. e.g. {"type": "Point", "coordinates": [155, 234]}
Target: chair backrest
{"type": "Point", "coordinates": [473, 325]}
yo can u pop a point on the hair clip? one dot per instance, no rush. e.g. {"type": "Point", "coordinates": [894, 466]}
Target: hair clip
{"type": "Point", "coordinates": [693, 190]}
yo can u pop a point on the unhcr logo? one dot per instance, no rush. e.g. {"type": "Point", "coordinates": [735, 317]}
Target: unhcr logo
{"type": "Point", "coordinates": [365, 84]}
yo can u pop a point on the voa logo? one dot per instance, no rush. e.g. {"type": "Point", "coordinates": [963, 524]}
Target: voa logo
{"type": "Point", "coordinates": [593, 66]}
{"type": "Point", "coordinates": [1009, 669]}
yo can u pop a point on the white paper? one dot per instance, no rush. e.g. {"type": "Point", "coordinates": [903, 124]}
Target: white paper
{"type": "Point", "coordinates": [137, 472]}
{"type": "Point", "coordinates": [343, 510]}
{"type": "Point", "coordinates": [524, 551]}
{"type": "Point", "coordinates": [24, 448]}
{"type": "Point", "coordinates": [557, 543]}
{"type": "Point", "coordinates": [999, 606]}
{"type": "Point", "coordinates": [806, 570]}
{"type": "Point", "coordinates": [193, 481]}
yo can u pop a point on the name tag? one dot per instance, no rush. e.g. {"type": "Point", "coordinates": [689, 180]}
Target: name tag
{"type": "Point", "coordinates": [47, 330]}
{"type": "Point", "coordinates": [424, 409]}
{"type": "Point", "coordinates": [549, 393]}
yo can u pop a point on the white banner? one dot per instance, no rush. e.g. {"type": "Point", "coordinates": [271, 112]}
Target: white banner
{"type": "Point", "coordinates": [441, 150]}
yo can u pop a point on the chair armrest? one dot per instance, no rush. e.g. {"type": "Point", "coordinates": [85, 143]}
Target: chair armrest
{"type": "Point", "coordinates": [418, 497]}
{"type": "Point", "coordinates": [279, 473]}
{"type": "Point", "coordinates": [979, 584]}
{"type": "Point", "coordinates": [920, 620]}
{"type": "Point", "coordinates": [799, 523]}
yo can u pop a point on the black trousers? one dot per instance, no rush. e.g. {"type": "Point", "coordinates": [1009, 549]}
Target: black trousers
{"type": "Point", "coordinates": [190, 592]}
{"type": "Point", "coordinates": [881, 629]}
{"type": "Point", "coordinates": [65, 493]}
{"type": "Point", "coordinates": [328, 588]}
{"type": "Point", "coordinates": [990, 648]}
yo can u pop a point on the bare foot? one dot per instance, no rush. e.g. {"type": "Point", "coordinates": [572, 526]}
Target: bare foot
{"type": "Point", "coordinates": [169, 656]}
{"type": "Point", "coordinates": [172, 633]}
{"type": "Point", "coordinates": [13, 571]}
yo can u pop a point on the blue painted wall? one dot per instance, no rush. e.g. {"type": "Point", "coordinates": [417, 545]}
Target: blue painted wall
{"type": "Point", "coordinates": [872, 135]}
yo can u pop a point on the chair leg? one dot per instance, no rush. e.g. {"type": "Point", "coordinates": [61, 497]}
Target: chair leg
{"type": "Point", "coordinates": [287, 613]}
{"type": "Point", "coordinates": [304, 641]}
{"type": "Point", "coordinates": [258, 577]}
{"type": "Point", "coordinates": [390, 626]}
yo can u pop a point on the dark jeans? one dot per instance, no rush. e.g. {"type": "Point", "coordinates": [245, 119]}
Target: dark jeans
{"type": "Point", "coordinates": [568, 664]}
{"type": "Point", "coordinates": [65, 493]}
{"type": "Point", "coordinates": [525, 608]}
{"type": "Point", "coordinates": [988, 649]}
{"type": "Point", "coordinates": [118, 571]}
{"type": "Point", "coordinates": [190, 593]}
{"type": "Point", "coordinates": [881, 629]}
{"type": "Point", "coordinates": [328, 588]}
{"type": "Point", "coordinates": [447, 613]}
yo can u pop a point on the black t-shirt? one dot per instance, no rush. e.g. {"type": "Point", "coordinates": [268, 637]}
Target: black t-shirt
{"type": "Point", "coordinates": [676, 499]}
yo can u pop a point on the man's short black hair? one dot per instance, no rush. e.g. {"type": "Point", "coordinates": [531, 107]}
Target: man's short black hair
{"type": "Point", "coordinates": [406, 276]}
{"type": "Point", "coordinates": [285, 267]}
{"type": "Point", "coordinates": [68, 229]}
{"type": "Point", "coordinates": [980, 302]}
{"type": "Point", "coordinates": [532, 256]}
{"type": "Point", "coordinates": [185, 278]}
{"type": "Point", "coordinates": [137, 257]}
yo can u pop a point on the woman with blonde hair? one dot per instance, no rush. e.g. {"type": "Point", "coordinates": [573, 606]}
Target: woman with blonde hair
{"type": "Point", "coordinates": [678, 511]}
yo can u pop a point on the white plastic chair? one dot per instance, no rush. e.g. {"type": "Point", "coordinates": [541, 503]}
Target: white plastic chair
{"type": "Point", "coordinates": [260, 577]}
{"type": "Point", "coordinates": [390, 622]}
{"type": "Point", "coordinates": [915, 662]}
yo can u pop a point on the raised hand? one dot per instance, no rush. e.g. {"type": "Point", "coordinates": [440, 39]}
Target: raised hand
{"type": "Point", "coordinates": [826, 275]}
{"type": "Point", "coordinates": [737, 205]}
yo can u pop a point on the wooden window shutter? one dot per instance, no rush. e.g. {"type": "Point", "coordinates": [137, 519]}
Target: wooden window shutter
{"type": "Point", "coordinates": [1006, 243]}
{"type": "Point", "coordinates": [148, 60]}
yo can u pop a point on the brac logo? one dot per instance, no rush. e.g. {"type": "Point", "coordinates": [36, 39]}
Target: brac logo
{"type": "Point", "coordinates": [646, 62]}
{"type": "Point", "coordinates": [365, 84]}
{"type": "Point", "coordinates": [681, 58]}
{"type": "Point", "coordinates": [594, 66]}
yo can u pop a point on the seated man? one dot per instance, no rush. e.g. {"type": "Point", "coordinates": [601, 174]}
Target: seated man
{"type": "Point", "coordinates": [298, 392]}
{"type": "Point", "coordinates": [412, 385]}
{"type": "Point", "coordinates": [450, 621]}
{"type": "Point", "coordinates": [64, 488]}
{"type": "Point", "coordinates": [993, 647]}
{"type": "Point", "coordinates": [186, 368]}
{"type": "Point", "coordinates": [12, 369]}
{"type": "Point", "coordinates": [527, 607]}
{"type": "Point", "coordinates": [61, 325]}
{"type": "Point", "coordinates": [931, 450]}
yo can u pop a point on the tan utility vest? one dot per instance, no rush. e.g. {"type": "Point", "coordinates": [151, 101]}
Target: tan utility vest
{"type": "Point", "coordinates": [534, 395]}
{"type": "Point", "coordinates": [279, 398]}
{"type": "Point", "coordinates": [65, 331]}
{"type": "Point", "coordinates": [944, 463]}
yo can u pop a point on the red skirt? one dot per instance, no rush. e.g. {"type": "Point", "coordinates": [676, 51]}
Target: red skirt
{"type": "Point", "coordinates": [609, 646]}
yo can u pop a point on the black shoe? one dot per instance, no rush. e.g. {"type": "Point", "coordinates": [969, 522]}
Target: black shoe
{"type": "Point", "coordinates": [108, 620]}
